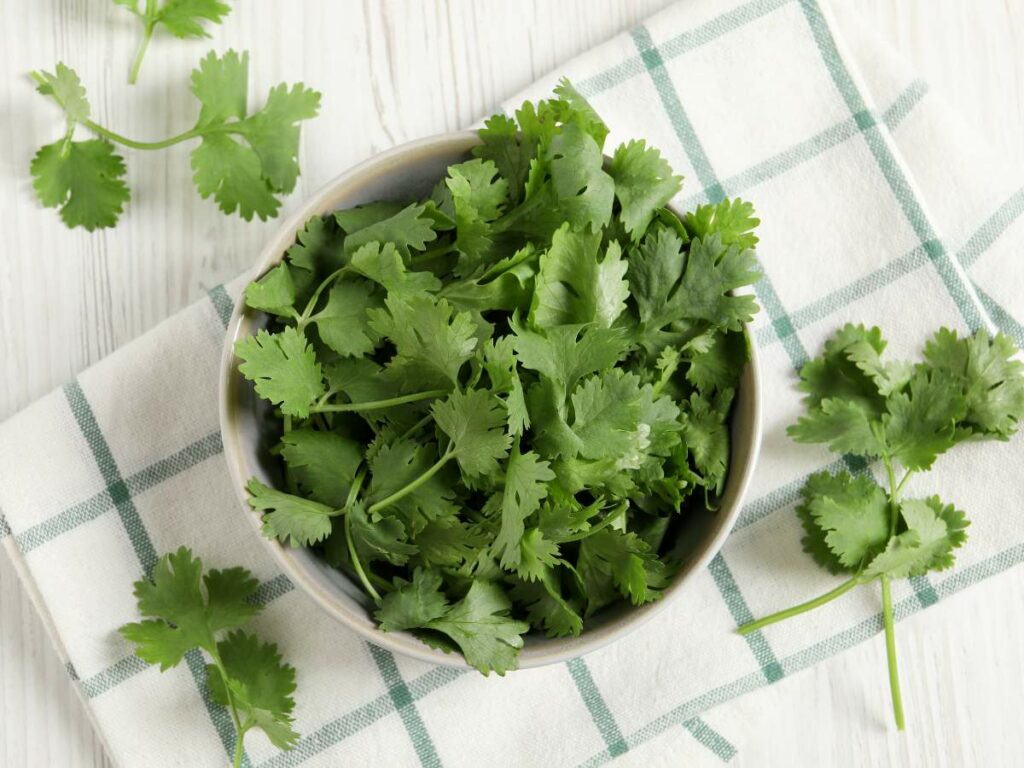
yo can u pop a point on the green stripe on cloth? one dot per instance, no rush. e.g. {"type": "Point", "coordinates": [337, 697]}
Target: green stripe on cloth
{"type": "Point", "coordinates": [710, 738]}
{"type": "Point", "coordinates": [904, 104]}
{"type": "Point", "coordinates": [222, 303]}
{"type": "Point", "coordinates": [112, 676]}
{"type": "Point", "coordinates": [336, 731]}
{"type": "Point", "coordinates": [406, 707]}
{"type": "Point", "coordinates": [119, 493]}
{"type": "Point", "coordinates": [603, 718]}
{"type": "Point", "coordinates": [219, 716]}
{"type": "Point", "coordinates": [1003, 319]}
{"type": "Point", "coordinates": [741, 614]}
{"type": "Point", "coordinates": [863, 630]}
{"type": "Point", "coordinates": [807, 150]}
{"type": "Point", "coordinates": [990, 231]}
{"type": "Point", "coordinates": [681, 124]}
{"type": "Point", "coordinates": [141, 543]}
{"type": "Point", "coordinates": [272, 589]}
{"type": "Point", "coordinates": [781, 497]}
{"type": "Point", "coordinates": [103, 502]}
{"type": "Point", "coordinates": [951, 273]}
{"type": "Point", "coordinates": [860, 288]}
{"type": "Point", "coordinates": [681, 43]}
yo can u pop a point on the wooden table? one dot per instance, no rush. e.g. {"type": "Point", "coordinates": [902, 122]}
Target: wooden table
{"type": "Point", "coordinates": [393, 71]}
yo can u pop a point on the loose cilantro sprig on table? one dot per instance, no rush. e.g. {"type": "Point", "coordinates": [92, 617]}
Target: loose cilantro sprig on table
{"type": "Point", "coordinates": [182, 18]}
{"type": "Point", "coordinates": [497, 405]}
{"type": "Point", "coordinates": [906, 416]}
{"type": "Point", "coordinates": [244, 160]}
{"type": "Point", "coordinates": [188, 609]}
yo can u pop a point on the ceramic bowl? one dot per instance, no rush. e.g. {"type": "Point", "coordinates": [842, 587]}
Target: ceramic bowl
{"type": "Point", "coordinates": [406, 172]}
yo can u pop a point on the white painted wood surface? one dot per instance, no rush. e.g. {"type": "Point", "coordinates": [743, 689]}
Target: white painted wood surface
{"type": "Point", "coordinates": [392, 71]}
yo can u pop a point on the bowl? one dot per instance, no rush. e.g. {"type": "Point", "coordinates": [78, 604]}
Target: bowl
{"type": "Point", "coordinates": [405, 172]}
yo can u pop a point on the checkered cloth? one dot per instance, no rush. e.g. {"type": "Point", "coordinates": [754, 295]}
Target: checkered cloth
{"type": "Point", "coordinates": [876, 207]}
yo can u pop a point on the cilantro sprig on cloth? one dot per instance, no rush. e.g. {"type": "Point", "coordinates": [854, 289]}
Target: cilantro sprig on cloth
{"type": "Point", "coordinates": [906, 416]}
{"type": "Point", "coordinates": [496, 406]}
{"type": "Point", "coordinates": [245, 160]}
{"type": "Point", "coordinates": [187, 609]}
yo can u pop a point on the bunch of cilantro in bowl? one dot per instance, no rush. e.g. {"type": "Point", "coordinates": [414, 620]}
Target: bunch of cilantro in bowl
{"type": "Point", "coordinates": [495, 407]}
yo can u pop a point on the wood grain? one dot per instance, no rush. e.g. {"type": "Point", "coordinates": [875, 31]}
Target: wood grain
{"type": "Point", "coordinates": [392, 71]}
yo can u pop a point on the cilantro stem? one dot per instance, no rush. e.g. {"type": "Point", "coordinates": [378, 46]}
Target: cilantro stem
{"type": "Point", "coordinates": [887, 616]}
{"type": "Point", "coordinates": [357, 566]}
{"type": "Point", "coordinates": [796, 610]}
{"type": "Point", "coordinates": [307, 314]}
{"type": "Point", "coordinates": [119, 139]}
{"type": "Point", "coordinates": [421, 423]}
{"type": "Point", "coordinates": [137, 64]}
{"type": "Point", "coordinates": [610, 518]}
{"type": "Point", "coordinates": [233, 711]}
{"type": "Point", "coordinates": [412, 486]}
{"type": "Point", "coordinates": [374, 405]}
{"type": "Point", "coordinates": [890, 652]}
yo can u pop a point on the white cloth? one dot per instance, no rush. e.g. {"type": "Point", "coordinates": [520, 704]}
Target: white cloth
{"type": "Point", "coordinates": [877, 207]}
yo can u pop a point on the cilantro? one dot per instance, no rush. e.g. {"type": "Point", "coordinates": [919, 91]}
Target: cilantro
{"type": "Point", "coordinates": [182, 18]}
{"type": "Point", "coordinates": [495, 407]}
{"type": "Point", "coordinates": [187, 609]}
{"type": "Point", "coordinates": [907, 416]}
{"type": "Point", "coordinates": [245, 161]}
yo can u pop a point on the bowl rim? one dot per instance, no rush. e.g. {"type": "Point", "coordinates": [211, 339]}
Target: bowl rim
{"type": "Point", "coordinates": [405, 643]}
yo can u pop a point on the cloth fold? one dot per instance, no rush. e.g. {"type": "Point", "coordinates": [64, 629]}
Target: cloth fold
{"type": "Point", "coordinates": [877, 206]}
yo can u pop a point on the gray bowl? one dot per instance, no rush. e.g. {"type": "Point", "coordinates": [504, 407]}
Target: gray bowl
{"type": "Point", "coordinates": [405, 172]}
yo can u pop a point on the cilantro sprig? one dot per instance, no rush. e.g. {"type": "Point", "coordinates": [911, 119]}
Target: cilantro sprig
{"type": "Point", "coordinates": [182, 18]}
{"type": "Point", "coordinates": [495, 407]}
{"type": "Point", "coordinates": [245, 160]}
{"type": "Point", "coordinates": [904, 416]}
{"type": "Point", "coordinates": [188, 609]}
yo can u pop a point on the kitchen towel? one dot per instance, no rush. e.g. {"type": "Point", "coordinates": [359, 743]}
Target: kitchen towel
{"type": "Point", "coordinates": [877, 207]}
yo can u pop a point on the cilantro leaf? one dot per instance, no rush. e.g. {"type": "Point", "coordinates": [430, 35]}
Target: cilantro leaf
{"type": "Point", "coordinates": [323, 464]}
{"type": "Point", "coordinates": [289, 517]}
{"type": "Point", "coordinates": [182, 617]}
{"type": "Point", "coordinates": [732, 220]}
{"type": "Point", "coordinates": [988, 377]}
{"type": "Point", "coordinates": [573, 287]}
{"type": "Point", "coordinates": [408, 229]}
{"type": "Point", "coordinates": [525, 488]}
{"type": "Point", "coordinates": [480, 625]}
{"type": "Point", "coordinates": [843, 425]}
{"type": "Point", "coordinates": [643, 183]}
{"type": "Point", "coordinates": [627, 561]}
{"type": "Point", "coordinates": [261, 686]}
{"type": "Point", "coordinates": [474, 421]}
{"type": "Point", "coordinates": [273, 293]}
{"type": "Point", "coordinates": [83, 179]}
{"type": "Point", "coordinates": [240, 177]}
{"type": "Point", "coordinates": [501, 366]}
{"type": "Point", "coordinates": [567, 353]}
{"type": "Point", "coordinates": [384, 265]}
{"type": "Point", "coordinates": [413, 603]}
{"type": "Point", "coordinates": [853, 514]}
{"type": "Point", "coordinates": [921, 422]}
{"type": "Point", "coordinates": [247, 676]}
{"type": "Point", "coordinates": [283, 368]}
{"type": "Point", "coordinates": [428, 336]}
{"type": "Point", "coordinates": [546, 607]}
{"type": "Point", "coordinates": [933, 531]}
{"type": "Point", "coordinates": [344, 324]}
